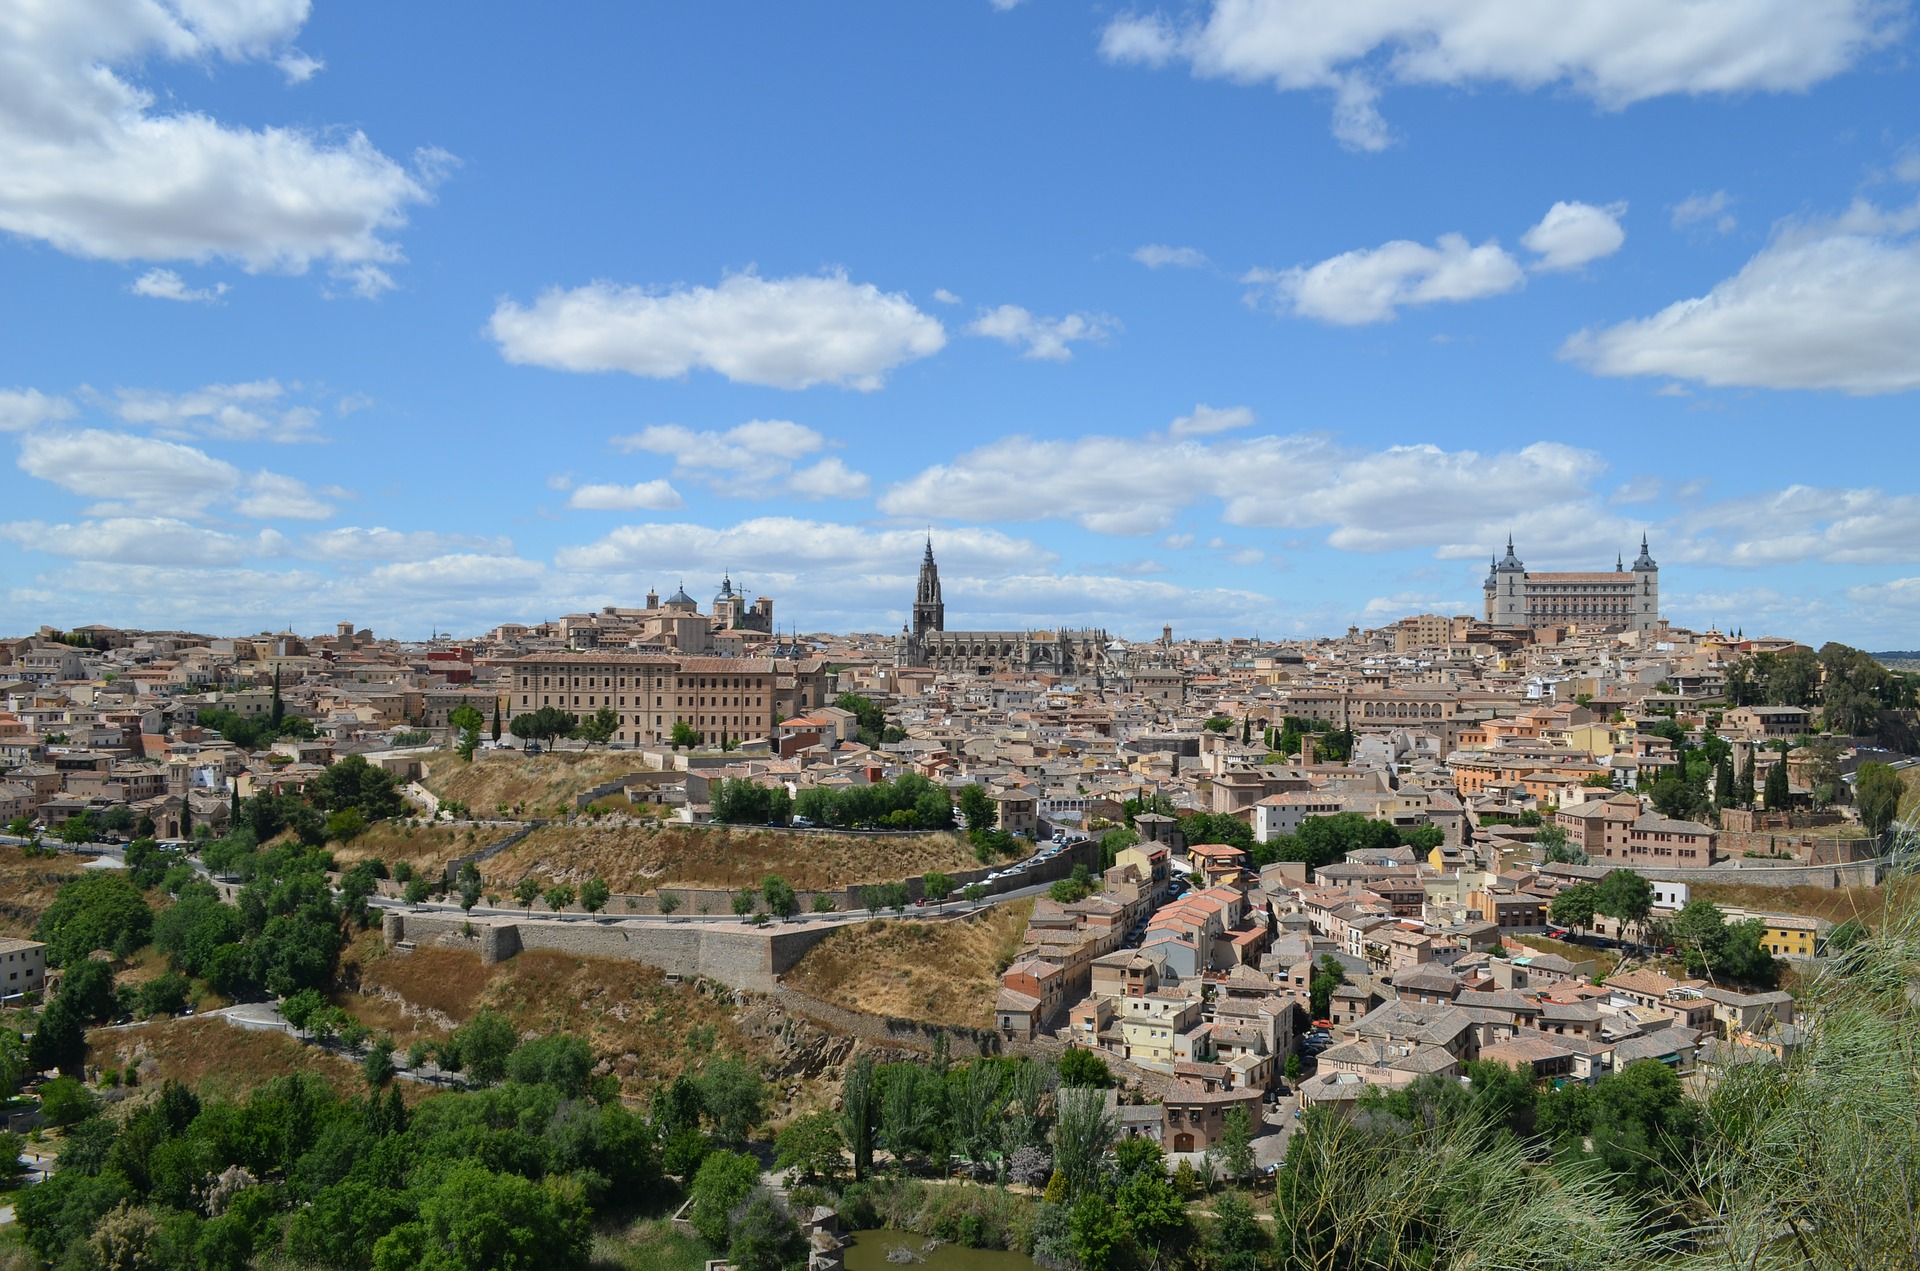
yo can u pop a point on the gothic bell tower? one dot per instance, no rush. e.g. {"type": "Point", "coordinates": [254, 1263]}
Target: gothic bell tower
{"type": "Point", "coordinates": [929, 612]}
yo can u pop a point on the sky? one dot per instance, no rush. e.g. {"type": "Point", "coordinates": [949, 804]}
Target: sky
{"type": "Point", "coordinates": [1251, 317]}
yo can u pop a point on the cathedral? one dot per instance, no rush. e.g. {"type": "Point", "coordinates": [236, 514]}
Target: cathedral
{"type": "Point", "coordinates": [926, 642]}
{"type": "Point", "coordinates": [1625, 598]}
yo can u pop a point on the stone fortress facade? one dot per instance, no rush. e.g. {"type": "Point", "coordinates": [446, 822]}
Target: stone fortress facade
{"type": "Point", "coordinates": [1626, 597]}
{"type": "Point", "coordinates": [925, 641]}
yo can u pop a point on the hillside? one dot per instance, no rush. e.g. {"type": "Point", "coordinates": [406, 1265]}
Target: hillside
{"type": "Point", "coordinates": [946, 972]}
{"type": "Point", "coordinates": [422, 846]}
{"type": "Point", "coordinates": [636, 859]}
{"type": "Point", "coordinates": [213, 1057]}
{"type": "Point", "coordinates": [1837, 904]}
{"type": "Point", "coordinates": [507, 782]}
{"type": "Point", "coordinates": [27, 887]}
{"type": "Point", "coordinates": [649, 1029]}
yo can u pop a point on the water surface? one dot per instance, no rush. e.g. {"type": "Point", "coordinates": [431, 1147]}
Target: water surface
{"type": "Point", "coordinates": [868, 1252]}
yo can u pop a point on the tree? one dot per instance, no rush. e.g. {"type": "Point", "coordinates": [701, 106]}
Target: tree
{"type": "Point", "coordinates": [526, 891]}
{"type": "Point", "coordinates": [477, 1219]}
{"type": "Point", "coordinates": [1556, 848]}
{"type": "Point", "coordinates": [1235, 1149]}
{"type": "Point", "coordinates": [1236, 1239]}
{"type": "Point", "coordinates": [376, 1069]}
{"type": "Point", "coordinates": [496, 721]}
{"type": "Point", "coordinates": [1292, 1069]}
{"type": "Point", "coordinates": [484, 1044]}
{"type": "Point", "coordinates": [345, 825]}
{"type": "Point", "coordinates": [666, 901]}
{"type": "Point", "coordinates": [936, 886]}
{"type": "Point", "coordinates": [545, 724]}
{"type": "Point", "coordinates": [468, 722]}
{"type": "Point", "coordinates": [1080, 1067]}
{"type": "Point", "coordinates": [860, 1114]}
{"type": "Point", "coordinates": [164, 994]}
{"type": "Point", "coordinates": [743, 902]}
{"type": "Point", "coordinates": [353, 782]}
{"type": "Point", "coordinates": [1575, 906]}
{"type": "Point", "coordinates": [781, 902]}
{"type": "Point", "coordinates": [98, 910]}
{"type": "Point", "coordinates": [1083, 1130]}
{"type": "Point", "coordinates": [1723, 783]}
{"type": "Point", "coordinates": [594, 894]}
{"type": "Point", "coordinates": [1219, 724]}
{"type": "Point", "coordinates": [560, 1061]}
{"type": "Point", "coordinates": [683, 734]}
{"type": "Point", "coordinates": [558, 897]}
{"type": "Point", "coordinates": [417, 891]}
{"type": "Point", "coordinates": [810, 1145]}
{"type": "Point", "coordinates": [1778, 795]}
{"type": "Point", "coordinates": [763, 1234]}
{"type": "Point", "coordinates": [722, 1184]}
{"type": "Point", "coordinates": [1330, 976]}
{"type": "Point", "coordinates": [1626, 896]}
{"type": "Point", "coordinates": [978, 808]}
{"type": "Point", "coordinates": [1877, 791]}
{"type": "Point", "coordinates": [973, 893]}
{"type": "Point", "coordinates": [599, 728]}
{"type": "Point", "coordinates": [64, 1101]}
{"type": "Point", "coordinates": [735, 1098]}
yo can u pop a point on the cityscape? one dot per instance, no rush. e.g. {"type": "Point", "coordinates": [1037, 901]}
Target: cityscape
{"type": "Point", "coordinates": [1017, 636]}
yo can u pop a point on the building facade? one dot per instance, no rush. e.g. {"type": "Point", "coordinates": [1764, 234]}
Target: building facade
{"type": "Point", "coordinates": [925, 641]}
{"type": "Point", "coordinates": [1627, 598]}
{"type": "Point", "coordinates": [720, 697]}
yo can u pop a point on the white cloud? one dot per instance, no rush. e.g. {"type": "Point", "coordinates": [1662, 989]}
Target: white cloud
{"type": "Point", "coordinates": [830, 479]}
{"type": "Point", "coordinates": [1207, 420]}
{"type": "Point", "coordinates": [945, 297]}
{"type": "Point", "coordinates": [459, 572]}
{"type": "Point", "coordinates": [750, 460]}
{"type": "Point", "coordinates": [24, 408]}
{"type": "Point", "coordinates": [1572, 234]}
{"type": "Point", "coordinates": [1005, 5]}
{"type": "Point", "coordinates": [1902, 593]}
{"type": "Point", "coordinates": [1403, 604]}
{"type": "Point", "coordinates": [1836, 308]}
{"type": "Point", "coordinates": [1044, 338]}
{"type": "Point", "coordinates": [253, 411]}
{"type": "Point", "coordinates": [138, 474]}
{"type": "Point", "coordinates": [141, 541]}
{"type": "Point", "coordinates": [1615, 52]}
{"type": "Point", "coordinates": [1641, 489]}
{"type": "Point", "coordinates": [1371, 285]}
{"type": "Point", "coordinates": [165, 284]}
{"type": "Point", "coordinates": [1696, 209]}
{"type": "Point", "coordinates": [1845, 526]}
{"type": "Point", "coordinates": [1454, 503]}
{"type": "Point", "coordinates": [298, 67]}
{"type": "Point", "coordinates": [783, 547]}
{"type": "Point", "coordinates": [91, 166]}
{"type": "Point", "coordinates": [354, 543]}
{"type": "Point", "coordinates": [274, 495]}
{"type": "Point", "coordinates": [658, 495]}
{"type": "Point", "coordinates": [781, 332]}
{"type": "Point", "coordinates": [1159, 256]}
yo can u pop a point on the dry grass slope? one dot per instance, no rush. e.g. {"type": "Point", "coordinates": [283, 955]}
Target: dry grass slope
{"type": "Point", "coordinates": [651, 1030]}
{"type": "Point", "coordinates": [639, 859]}
{"type": "Point", "coordinates": [27, 887]}
{"type": "Point", "coordinates": [1836, 904]}
{"type": "Point", "coordinates": [537, 786]}
{"type": "Point", "coordinates": [947, 972]}
{"type": "Point", "coordinates": [423, 846]}
{"type": "Point", "coordinates": [216, 1059]}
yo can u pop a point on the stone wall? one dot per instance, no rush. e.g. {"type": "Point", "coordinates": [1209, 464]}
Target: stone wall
{"type": "Point", "coordinates": [1748, 873]}
{"type": "Point", "coordinates": [1807, 849]}
{"type": "Point", "coordinates": [740, 957]}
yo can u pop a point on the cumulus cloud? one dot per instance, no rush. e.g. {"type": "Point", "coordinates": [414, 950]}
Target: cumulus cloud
{"type": "Point", "coordinates": [1697, 209]}
{"type": "Point", "coordinates": [355, 544]}
{"type": "Point", "coordinates": [1206, 421]}
{"type": "Point", "coordinates": [258, 410]}
{"type": "Point", "coordinates": [24, 408]}
{"type": "Point", "coordinates": [1834, 307]}
{"type": "Point", "coordinates": [1045, 338]}
{"type": "Point", "coordinates": [458, 572]}
{"type": "Point", "coordinates": [1159, 256]}
{"type": "Point", "coordinates": [1454, 503]}
{"type": "Point", "coordinates": [657, 495]}
{"type": "Point", "coordinates": [1615, 52]}
{"type": "Point", "coordinates": [1842, 526]}
{"type": "Point", "coordinates": [778, 332]}
{"type": "Point", "coordinates": [165, 284]}
{"type": "Point", "coordinates": [1901, 593]}
{"type": "Point", "coordinates": [150, 540]}
{"type": "Point", "coordinates": [945, 297]}
{"type": "Point", "coordinates": [830, 479]}
{"type": "Point", "coordinates": [750, 460]}
{"type": "Point", "coordinates": [1373, 284]}
{"type": "Point", "coordinates": [1571, 234]}
{"type": "Point", "coordinates": [90, 165]}
{"type": "Point", "coordinates": [140, 474]}
{"type": "Point", "coordinates": [276, 496]}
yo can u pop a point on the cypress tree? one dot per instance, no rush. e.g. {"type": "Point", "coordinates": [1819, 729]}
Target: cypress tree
{"type": "Point", "coordinates": [1723, 783]}
{"type": "Point", "coordinates": [1743, 783]}
{"type": "Point", "coordinates": [186, 817]}
{"type": "Point", "coordinates": [496, 719]}
{"type": "Point", "coordinates": [279, 710]}
{"type": "Point", "coordinates": [1777, 791]}
{"type": "Point", "coordinates": [233, 806]}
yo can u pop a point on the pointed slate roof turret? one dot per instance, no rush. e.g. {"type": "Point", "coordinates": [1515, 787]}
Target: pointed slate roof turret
{"type": "Point", "coordinates": [1645, 561]}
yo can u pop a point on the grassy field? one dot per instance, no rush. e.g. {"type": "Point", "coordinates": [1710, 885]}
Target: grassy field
{"type": "Point", "coordinates": [639, 859]}
{"type": "Point", "coordinates": [215, 1058]}
{"type": "Point", "coordinates": [650, 1030]}
{"type": "Point", "coordinates": [542, 785]}
{"type": "Point", "coordinates": [27, 887]}
{"type": "Point", "coordinates": [945, 972]}
{"type": "Point", "coordinates": [650, 1245]}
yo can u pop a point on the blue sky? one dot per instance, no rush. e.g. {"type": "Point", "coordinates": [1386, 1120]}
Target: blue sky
{"type": "Point", "coordinates": [1239, 316]}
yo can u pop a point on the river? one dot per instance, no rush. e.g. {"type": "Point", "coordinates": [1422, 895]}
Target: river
{"type": "Point", "coordinates": [868, 1252]}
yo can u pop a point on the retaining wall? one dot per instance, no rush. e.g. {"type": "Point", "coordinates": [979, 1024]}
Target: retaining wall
{"type": "Point", "coordinates": [742, 958]}
{"type": "Point", "coordinates": [1748, 873]}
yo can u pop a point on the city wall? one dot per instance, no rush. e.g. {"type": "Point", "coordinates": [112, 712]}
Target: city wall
{"type": "Point", "coordinates": [1747, 873]}
{"type": "Point", "coordinates": [741, 958]}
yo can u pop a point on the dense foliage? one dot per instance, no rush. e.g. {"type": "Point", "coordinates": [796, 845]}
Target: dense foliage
{"type": "Point", "coordinates": [908, 802]}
